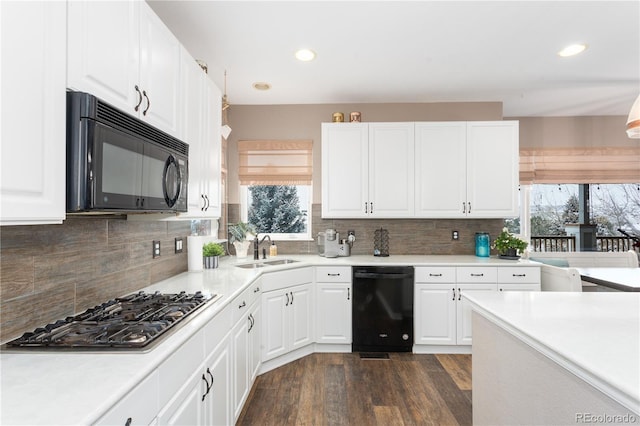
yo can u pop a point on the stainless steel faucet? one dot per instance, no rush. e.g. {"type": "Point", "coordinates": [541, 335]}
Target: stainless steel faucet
{"type": "Point", "coordinates": [256, 246]}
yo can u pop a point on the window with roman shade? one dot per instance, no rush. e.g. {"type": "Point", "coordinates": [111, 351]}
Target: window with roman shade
{"type": "Point", "coordinates": [275, 162]}
{"type": "Point", "coordinates": [580, 165]}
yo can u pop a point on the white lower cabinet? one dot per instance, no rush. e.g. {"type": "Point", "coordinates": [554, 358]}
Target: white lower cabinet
{"type": "Point", "coordinates": [442, 316]}
{"type": "Point", "coordinates": [287, 315]}
{"type": "Point", "coordinates": [245, 336]}
{"type": "Point", "coordinates": [205, 397]}
{"type": "Point", "coordinates": [333, 304]}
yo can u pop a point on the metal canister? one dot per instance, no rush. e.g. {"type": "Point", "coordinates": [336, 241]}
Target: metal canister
{"type": "Point", "coordinates": [354, 117]}
{"type": "Point", "coordinates": [338, 117]}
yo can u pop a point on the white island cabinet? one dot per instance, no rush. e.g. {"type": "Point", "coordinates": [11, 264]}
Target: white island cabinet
{"type": "Point", "coordinates": [123, 53]}
{"type": "Point", "coordinates": [32, 169]}
{"type": "Point", "coordinates": [552, 358]}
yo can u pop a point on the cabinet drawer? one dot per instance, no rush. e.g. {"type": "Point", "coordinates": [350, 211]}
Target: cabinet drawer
{"type": "Point", "coordinates": [518, 275]}
{"type": "Point", "coordinates": [477, 274]}
{"type": "Point", "coordinates": [283, 279]}
{"type": "Point", "coordinates": [217, 328]}
{"type": "Point", "coordinates": [333, 274]}
{"type": "Point", "coordinates": [435, 275]}
{"type": "Point", "coordinates": [140, 405]}
{"type": "Point", "coordinates": [240, 305]}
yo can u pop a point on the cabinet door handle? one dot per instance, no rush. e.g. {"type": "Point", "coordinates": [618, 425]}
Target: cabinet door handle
{"type": "Point", "coordinates": [208, 387]}
{"type": "Point", "coordinates": [128, 422]}
{"type": "Point", "coordinates": [435, 275]}
{"type": "Point", "coordinates": [210, 375]}
{"type": "Point", "coordinates": [371, 208]}
{"type": "Point", "coordinates": [464, 207]}
{"type": "Point", "coordinates": [250, 323]}
{"type": "Point", "coordinates": [204, 203]}
{"type": "Point", "coordinates": [292, 298]}
{"type": "Point", "coordinates": [287, 304]}
{"type": "Point", "coordinates": [144, 93]}
{"type": "Point", "coordinates": [454, 293]}
{"type": "Point", "coordinates": [348, 294]}
{"type": "Point", "coordinates": [242, 305]}
{"type": "Point", "coordinates": [257, 289]}
{"type": "Point", "coordinates": [366, 208]}
{"type": "Point", "coordinates": [469, 209]}
{"type": "Point", "coordinates": [137, 107]}
{"type": "Point", "coordinates": [459, 294]}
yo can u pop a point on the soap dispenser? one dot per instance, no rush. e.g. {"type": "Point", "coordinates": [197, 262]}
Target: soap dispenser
{"type": "Point", "coordinates": [273, 249]}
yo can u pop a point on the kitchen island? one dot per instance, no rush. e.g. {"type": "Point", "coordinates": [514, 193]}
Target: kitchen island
{"type": "Point", "coordinates": [620, 279]}
{"type": "Point", "coordinates": [556, 358]}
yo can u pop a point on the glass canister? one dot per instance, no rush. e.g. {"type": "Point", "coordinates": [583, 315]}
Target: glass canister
{"type": "Point", "coordinates": [482, 244]}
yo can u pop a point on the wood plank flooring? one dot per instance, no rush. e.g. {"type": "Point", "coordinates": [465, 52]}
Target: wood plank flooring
{"type": "Point", "coordinates": [343, 389]}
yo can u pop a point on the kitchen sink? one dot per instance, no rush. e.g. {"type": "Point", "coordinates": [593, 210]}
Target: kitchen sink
{"type": "Point", "coordinates": [279, 262]}
{"type": "Point", "coordinates": [251, 265]}
{"type": "Point", "coordinates": [265, 263]}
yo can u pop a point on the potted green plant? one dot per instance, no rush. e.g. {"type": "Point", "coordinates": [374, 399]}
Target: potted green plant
{"type": "Point", "coordinates": [239, 233]}
{"type": "Point", "coordinates": [508, 245]}
{"type": "Point", "coordinates": [211, 253]}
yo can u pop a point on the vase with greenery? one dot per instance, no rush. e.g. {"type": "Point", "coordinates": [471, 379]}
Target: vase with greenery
{"type": "Point", "coordinates": [508, 245]}
{"type": "Point", "coordinates": [211, 253]}
{"type": "Point", "coordinates": [239, 233]}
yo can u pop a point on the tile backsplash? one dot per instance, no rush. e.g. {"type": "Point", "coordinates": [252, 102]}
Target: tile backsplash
{"type": "Point", "coordinates": [406, 236]}
{"type": "Point", "coordinates": [50, 272]}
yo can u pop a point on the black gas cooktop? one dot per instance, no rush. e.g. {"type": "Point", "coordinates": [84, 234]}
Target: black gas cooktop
{"type": "Point", "coordinates": [131, 322]}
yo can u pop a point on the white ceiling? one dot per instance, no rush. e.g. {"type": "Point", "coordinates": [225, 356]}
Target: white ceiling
{"type": "Point", "coordinates": [419, 51]}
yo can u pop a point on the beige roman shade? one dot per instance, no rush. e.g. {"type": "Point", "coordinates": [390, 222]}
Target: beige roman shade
{"type": "Point", "coordinates": [275, 162]}
{"type": "Point", "coordinates": [580, 165]}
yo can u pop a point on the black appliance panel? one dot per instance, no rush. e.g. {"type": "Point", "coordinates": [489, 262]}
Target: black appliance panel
{"type": "Point", "coordinates": [382, 309]}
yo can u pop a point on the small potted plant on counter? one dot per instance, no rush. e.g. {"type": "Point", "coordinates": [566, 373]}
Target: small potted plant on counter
{"type": "Point", "coordinates": [239, 234]}
{"type": "Point", "coordinates": [508, 245]}
{"type": "Point", "coordinates": [210, 254]}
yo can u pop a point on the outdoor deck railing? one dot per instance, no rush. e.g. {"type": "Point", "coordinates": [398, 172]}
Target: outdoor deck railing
{"type": "Point", "coordinates": [568, 243]}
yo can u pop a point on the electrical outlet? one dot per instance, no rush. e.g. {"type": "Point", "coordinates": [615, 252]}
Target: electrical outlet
{"type": "Point", "coordinates": [179, 243]}
{"type": "Point", "coordinates": [156, 249]}
{"type": "Point", "coordinates": [455, 235]}
{"type": "Point", "coordinates": [351, 232]}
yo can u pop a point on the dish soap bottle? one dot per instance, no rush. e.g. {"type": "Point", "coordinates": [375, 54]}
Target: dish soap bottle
{"type": "Point", "coordinates": [273, 249]}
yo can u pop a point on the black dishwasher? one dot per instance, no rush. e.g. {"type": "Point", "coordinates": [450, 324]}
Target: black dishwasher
{"type": "Point", "coordinates": [382, 309]}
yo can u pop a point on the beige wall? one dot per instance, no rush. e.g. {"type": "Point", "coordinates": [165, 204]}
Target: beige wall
{"type": "Point", "coordinates": [549, 132]}
{"type": "Point", "coordinates": [303, 122]}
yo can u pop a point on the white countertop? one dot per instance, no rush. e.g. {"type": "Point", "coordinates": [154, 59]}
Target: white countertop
{"type": "Point", "coordinates": [45, 387]}
{"type": "Point", "coordinates": [594, 335]}
{"type": "Point", "coordinates": [626, 279]}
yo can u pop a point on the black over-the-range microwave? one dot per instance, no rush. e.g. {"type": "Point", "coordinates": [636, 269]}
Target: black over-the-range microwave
{"type": "Point", "coordinates": [118, 163]}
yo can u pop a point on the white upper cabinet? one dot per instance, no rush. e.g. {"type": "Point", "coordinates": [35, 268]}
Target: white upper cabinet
{"type": "Point", "coordinates": [367, 170]}
{"type": "Point", "coordinates": [345, 166]}
{"type": "Point", "coordinates": [200, 121]}
{"type": "Point", "coordinates": [32, 145]}
{"type": "Point", "coordinates": [492, 168]}
{"type": "Point", "coordinates": [134, 68]}
{"type": "Point", "coordinates": [467, 169]}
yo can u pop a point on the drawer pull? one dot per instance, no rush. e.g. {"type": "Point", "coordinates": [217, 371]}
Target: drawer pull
{"type": "Point", "coordinates": [477, 275]}
{"type": "Point", "coordinates": [519, 275]}
{"type": "Point", "coordinates": [257, 289]}
{"type": "Point", "coordinates": [334, 275]}
{"type": "Point", "coordinates": [435, 275]}
{"type": "Point", "coordinates": [243, 305]}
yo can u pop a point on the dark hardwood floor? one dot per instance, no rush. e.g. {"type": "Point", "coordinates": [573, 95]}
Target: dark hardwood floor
{"type": "Point", "coordinates": [342, 389]}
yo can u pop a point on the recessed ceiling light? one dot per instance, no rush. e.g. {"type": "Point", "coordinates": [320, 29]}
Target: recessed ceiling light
{"type": "Point", "coordinates": [261, 86]}
{"type": "Point", "coordinates": [572, 49]}
{"type": "Point", "coordinates": [305, 55]}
